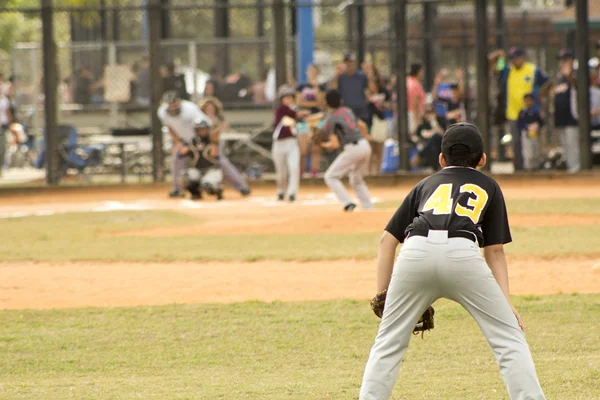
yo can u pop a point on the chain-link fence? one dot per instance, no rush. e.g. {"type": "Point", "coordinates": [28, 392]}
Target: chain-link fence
{"type": "Point", "coordinates": [104, 61]}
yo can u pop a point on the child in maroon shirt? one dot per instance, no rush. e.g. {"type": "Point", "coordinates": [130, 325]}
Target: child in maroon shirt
{"type": "Point", "coordinates": [285, 150]}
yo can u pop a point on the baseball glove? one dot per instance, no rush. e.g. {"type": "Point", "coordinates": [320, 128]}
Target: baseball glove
{"type": "Point", "coordinates": [317, 136]}
{"type": "Point", "coordinates": [424, 323]}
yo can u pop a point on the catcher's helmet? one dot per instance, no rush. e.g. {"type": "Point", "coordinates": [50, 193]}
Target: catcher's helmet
{"type": "Point", "coordinates": [171, 97]}
{"type": "Point", "coordinates": [202, 124]}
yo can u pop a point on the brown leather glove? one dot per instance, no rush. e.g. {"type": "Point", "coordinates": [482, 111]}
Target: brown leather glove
{"type": "Point", "coordinates": [425, 323]}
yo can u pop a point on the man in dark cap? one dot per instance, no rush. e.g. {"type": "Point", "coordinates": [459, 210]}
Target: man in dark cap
{"type": "Point", "coordinates": [354, 87]}
{"type": "Point", "coordinates": [443, 222]}
{"type": "Point", "coordinates": [518, 79]}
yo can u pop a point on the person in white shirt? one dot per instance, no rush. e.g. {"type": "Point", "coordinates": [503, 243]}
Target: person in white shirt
{"type": "Point", "coordinates": [181, 117]}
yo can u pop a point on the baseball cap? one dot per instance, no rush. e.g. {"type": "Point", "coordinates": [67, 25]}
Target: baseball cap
{"type": "Point", "coordinates": [462, 139]}
{"type": "Point", "coordinates": [565, 54]}
{"type": "Point", "coordinates": [349, 57]}
{"type": "Point", "coordinates": [515, 52]}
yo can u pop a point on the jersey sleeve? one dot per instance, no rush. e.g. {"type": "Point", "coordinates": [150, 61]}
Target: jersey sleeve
{"type": "Point", "coordinates": [540, 79]}
{"type": "Point", "coordinates": [495, 221]}
{"type": "Point", "coordinates": [290, 113]}
{"type": "Point", "coordinates": [403, 217]}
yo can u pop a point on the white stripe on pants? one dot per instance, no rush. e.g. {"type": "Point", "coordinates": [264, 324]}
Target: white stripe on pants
{"type": "Point", "coordinates": [286, 157]}
{"type": "Point", "coordinates": [427, 269]}
{"type": "Point", "coordinates": [569, 141]}
{"type": "Point", "coordinates": [354, 162]}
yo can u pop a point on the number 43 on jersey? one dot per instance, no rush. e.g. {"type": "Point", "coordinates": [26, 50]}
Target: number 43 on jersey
{"type": "Point", "coordinates": [440, 201]}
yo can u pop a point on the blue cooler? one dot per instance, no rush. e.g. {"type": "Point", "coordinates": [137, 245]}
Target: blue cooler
{"type": "Point", "coordinates": [391, 156]}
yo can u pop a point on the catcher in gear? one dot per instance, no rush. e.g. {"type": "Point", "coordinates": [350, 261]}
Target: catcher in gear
{"type": "Point", "coordinates": [203, 172]}
{"type": "Point", "coordinates": [443, 222]}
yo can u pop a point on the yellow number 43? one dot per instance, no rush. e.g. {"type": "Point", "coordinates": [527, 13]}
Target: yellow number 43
{"type": "Point", "coordinates": [440, 201]}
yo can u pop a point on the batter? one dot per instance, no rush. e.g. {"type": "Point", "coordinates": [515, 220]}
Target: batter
{"type": "Point", "coordinates": [443, 221]}
{"type": "Point", "coordinates": [344, 130]}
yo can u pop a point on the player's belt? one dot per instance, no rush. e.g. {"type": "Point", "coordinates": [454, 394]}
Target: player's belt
{"type": "Point", "coordinates": [451, 234]}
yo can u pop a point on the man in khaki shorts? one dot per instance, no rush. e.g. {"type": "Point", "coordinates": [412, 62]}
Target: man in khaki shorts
{"type": "Point", "coordinates": [443, 221]}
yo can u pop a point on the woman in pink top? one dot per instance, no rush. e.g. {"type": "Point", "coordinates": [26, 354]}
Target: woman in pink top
{"type": "Point", "coordinates": [416, 96]}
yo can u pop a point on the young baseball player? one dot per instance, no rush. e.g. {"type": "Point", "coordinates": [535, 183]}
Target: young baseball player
{"type": "Point", "coordinates": [442, 222]}
{"type": "Point", "coordinates": [345, 131]}
{"type": "Point", "coordinates": [285, 150]}
{"type": "Point", "coordinates": [530, 122]}
{"type": "Point", "coordinates": [203, 172]}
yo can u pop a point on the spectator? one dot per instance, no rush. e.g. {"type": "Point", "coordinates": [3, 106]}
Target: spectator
{"type": "Point", "coordinates": [530, 122]}
{"type": "Point", "coordinates": [309, 95]}
{"type": "Point", "coordinates": [443, 89]}
{"type": "Point", "coordinates": [213, 109]}
{"type": "Point", "coordinates": [355, 88]}
{"type": "Point", "coordinates": [593, 65]}
{"type": "Point", "coordinates": [379, 105]}
{"type": "Point", "coordinates": [1, 83]}
{"type": "Point", "coordinates": [174, 81]}
{"type": "Point", "coordinates": [416, 96]}
{"type": "Point", "coordinates": [428, 140]}
{"type": "Point", "coordinates": [4, 123]}
{"type": "Point", "coordinates": [454, 107]}
{"type": "Point", "coordinates": [519, 78]}
{"type": "Point", "coordinates": [142, 84]}
{"type": "Point", "coordinates": [83, 86]}
{"type": "Point", "coordinates": [565, 121]}
{"type": "Point", "coordinates": [214, 83]}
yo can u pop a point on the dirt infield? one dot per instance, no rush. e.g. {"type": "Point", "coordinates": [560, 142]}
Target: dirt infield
{"type": "Point", "coordinates": [79, 284]}
{"type": "Point", "coordinates": [45, 285]}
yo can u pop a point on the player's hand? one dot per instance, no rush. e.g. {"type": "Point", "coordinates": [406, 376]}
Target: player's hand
{"type": "Point", "coordinates": [184, 151]}
{"type": "Point", "coordinates": [519, 320]}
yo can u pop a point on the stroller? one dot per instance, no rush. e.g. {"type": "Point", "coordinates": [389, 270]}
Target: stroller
{"type": "Point", "coordinates": [73, 156]}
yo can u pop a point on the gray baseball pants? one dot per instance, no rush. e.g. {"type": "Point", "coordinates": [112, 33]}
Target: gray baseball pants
{"type": "Point", "coordinates": [517, 146]}
{"type": "Point", "coordinates": [569, 141]}
{"type": "Point", "coordinates": [286, 157]}
{"type": "Point", "coordinates": [231, 174]}
{"type": "Point", "coordinates": [354, 162]}
{"type": "Point", "coordinates": [427, 269]}
{"type": "Point", "coordinates": [177, 168]}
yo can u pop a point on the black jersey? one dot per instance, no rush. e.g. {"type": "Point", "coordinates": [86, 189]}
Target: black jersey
{"type": "Point", "coordinates": [454, 199]}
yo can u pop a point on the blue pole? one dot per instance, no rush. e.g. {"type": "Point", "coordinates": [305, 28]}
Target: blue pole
{"type": "Point", "coordinates": [145, 27]}
{"type": "Point", "coordinates": [305, 38]}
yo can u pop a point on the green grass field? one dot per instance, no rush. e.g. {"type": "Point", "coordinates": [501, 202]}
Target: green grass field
{"type": "Point", "coordinates": [254, 350]}
{"type": "Point", "coordinates": [85, 236]}
{"type": "Point", "coordinates": [281, 351]}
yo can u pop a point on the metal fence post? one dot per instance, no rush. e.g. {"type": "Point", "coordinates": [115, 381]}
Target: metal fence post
{"type": "Point", "coordinates": [429, 47]}
{"type": "Point", "coordinates": [154, 51]}
{"type": "Point", "coordinates": [400, 72]}
{"type": "Point", "coordinates": [500, 32]}
{"type": "Point", "coordinates": [114, 106]}
{"type": "Point", "coordinates": [279, 42]}
{"type": "Point", "coordinates": [481, 40]}
{"type": "Point", "coordinates": [193, 63]}
{"type": "Point", "coordinates": [583, 83]}
{"type": "Point", "coordinates": [50, 93]}
{"type": "Point", "coordinates": [361, 46]}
